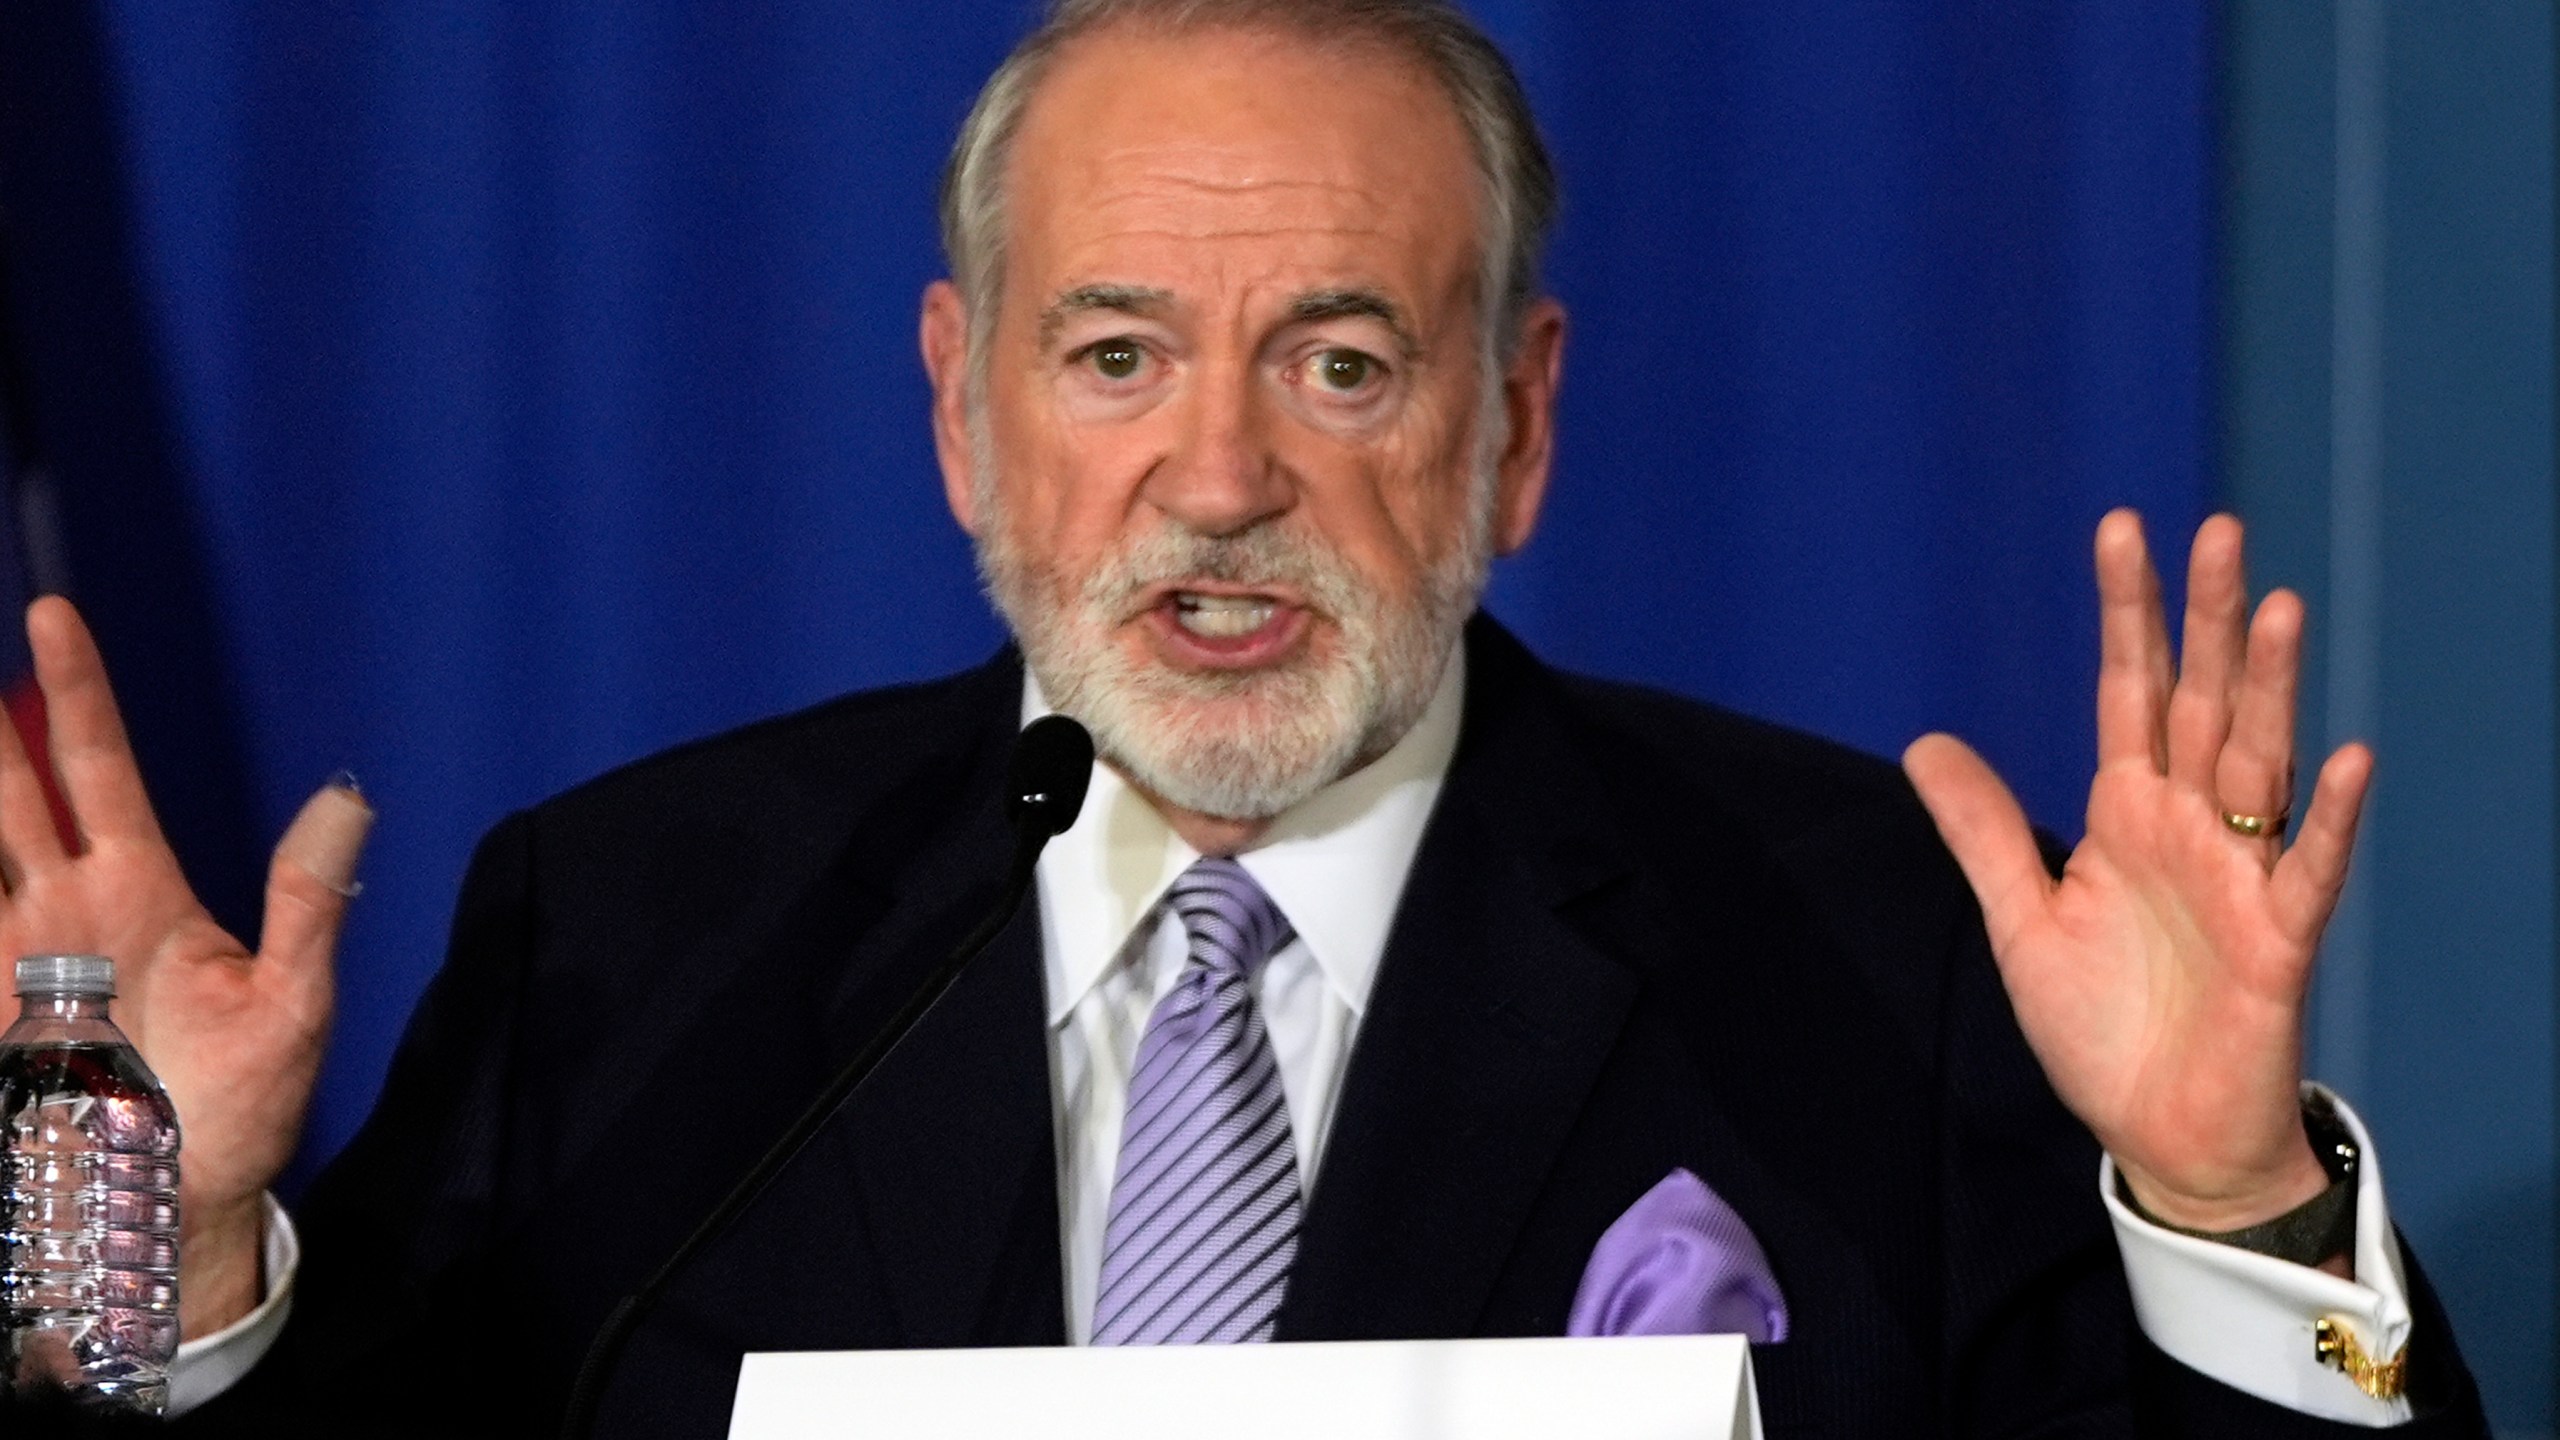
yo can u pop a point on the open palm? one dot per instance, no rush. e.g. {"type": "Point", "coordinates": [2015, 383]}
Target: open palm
{"type": "Point", "coordinates": [2161, 980]}
{"type": "Point", "coordinates": [236, 1036]}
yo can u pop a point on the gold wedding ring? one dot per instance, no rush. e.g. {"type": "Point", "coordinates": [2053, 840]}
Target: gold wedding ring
{"type": "Point", "coordinates": [2255, 827]}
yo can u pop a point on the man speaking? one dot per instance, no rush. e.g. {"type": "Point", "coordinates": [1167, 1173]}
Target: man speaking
{"type": "Point", "coordinates": [1389, 984]}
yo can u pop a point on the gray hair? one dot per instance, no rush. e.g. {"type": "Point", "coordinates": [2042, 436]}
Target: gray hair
{"type": "Point", "coordinates": [1519, 183]}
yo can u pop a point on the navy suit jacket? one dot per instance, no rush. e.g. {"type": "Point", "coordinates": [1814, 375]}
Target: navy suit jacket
{"type": "Point", "coordinates": [1640, 933]}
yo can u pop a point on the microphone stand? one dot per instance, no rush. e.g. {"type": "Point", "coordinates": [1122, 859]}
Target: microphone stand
{"type": "Point", "coordinates": [1052, 761]}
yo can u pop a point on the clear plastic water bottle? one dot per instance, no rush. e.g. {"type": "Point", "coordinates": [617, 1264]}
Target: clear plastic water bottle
{"type": "Point", "coordinates": [88, 1198]}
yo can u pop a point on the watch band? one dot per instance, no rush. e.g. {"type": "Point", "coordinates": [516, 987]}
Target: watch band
{"type": "Point", "coordinates": [2318, 1229]}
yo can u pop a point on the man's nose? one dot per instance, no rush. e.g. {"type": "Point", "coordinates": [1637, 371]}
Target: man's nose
{"type": "Point", "coordinates": [1221, 476]}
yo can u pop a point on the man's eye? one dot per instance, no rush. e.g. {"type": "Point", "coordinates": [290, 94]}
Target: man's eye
{"type": "Point", "coordinates": [1115, 359]}
{"type": "Point", "coordinates": [1341, 371]}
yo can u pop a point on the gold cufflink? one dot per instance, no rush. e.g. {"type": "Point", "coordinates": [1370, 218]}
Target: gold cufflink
{"type": "Point", "coordinates": [2337, 1347]}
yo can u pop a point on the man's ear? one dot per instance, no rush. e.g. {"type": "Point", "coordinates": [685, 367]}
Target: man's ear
{"type": "Point", "coordinates": [1529, 385]}
{"type": "Point", "coordinates": [942, 332]}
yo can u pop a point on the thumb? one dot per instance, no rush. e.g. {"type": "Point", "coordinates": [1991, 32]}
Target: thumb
{"type": "Point", "coordinates": [1986, 830]}
{"type": "Point", "coordinates": [313, 876]}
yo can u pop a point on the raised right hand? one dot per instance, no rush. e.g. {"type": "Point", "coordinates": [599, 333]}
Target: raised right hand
{"type": "Point", "coordinates": [237, 1037]}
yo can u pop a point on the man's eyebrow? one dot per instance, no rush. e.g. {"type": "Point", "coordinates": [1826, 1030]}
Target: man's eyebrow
{"type": "Point", "coordinates": [1335, 304]}
{"type": "Point", "coordinates": [1124, 299]}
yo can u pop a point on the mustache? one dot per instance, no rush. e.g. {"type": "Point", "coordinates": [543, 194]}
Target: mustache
{"type": "Point", "coordinates": [1262, 556]}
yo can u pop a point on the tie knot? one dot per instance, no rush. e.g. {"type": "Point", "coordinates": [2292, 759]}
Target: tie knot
{"type": "Point", "coordinates": [1233, 925]}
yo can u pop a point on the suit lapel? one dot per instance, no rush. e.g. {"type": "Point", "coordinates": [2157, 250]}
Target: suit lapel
{"type": "Point", "coordinates": [952, 1153]}
{"type": "Point", "coordinates": [947, 1147]}
{"type": "Point", "coordinates": [1490, 1022]}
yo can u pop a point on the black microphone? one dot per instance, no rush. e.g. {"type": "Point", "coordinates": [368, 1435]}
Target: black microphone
{"type": "Point", "coordinates": [1052, 765]}
{"type": "Point", "coordinates": [1044, 788]}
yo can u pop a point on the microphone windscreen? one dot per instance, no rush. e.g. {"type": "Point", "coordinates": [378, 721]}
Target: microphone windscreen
{"type": "Point", "coordinates": [1052, 764]}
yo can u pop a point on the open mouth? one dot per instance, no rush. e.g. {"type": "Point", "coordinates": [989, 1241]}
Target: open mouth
{"type": "Point", "coordinates": [1227, 628]}
{"type": "Point", "coordinates": [1222, 617]}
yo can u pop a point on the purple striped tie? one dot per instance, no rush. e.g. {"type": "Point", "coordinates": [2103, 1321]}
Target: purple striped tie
{"type": "Point", "coordinates": [1204, 1209]}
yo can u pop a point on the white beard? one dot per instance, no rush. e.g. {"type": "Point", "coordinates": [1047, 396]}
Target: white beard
{"type": "Point", "coordinates": [1236, 745]}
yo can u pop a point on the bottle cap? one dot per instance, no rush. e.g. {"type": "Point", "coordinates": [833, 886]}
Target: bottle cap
{"type": "Point", "coordinates": [66, 975]}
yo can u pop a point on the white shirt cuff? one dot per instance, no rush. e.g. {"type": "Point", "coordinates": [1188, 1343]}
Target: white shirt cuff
{"type": "Point", "coordinates": [2247, 1320]}
{"type": "Point", "coordinates": [213, 1363]}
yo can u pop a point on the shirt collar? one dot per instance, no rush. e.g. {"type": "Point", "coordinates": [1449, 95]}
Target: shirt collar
{"type": "Point", "coordinates": [1335, 863]}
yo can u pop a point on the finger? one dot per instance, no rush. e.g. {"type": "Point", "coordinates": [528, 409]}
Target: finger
{"type": "Point", "coordinates": [91, 755]}
{"type": "Point", "coordinates": [29, 837]}
{"type": "Point", "coordinates": [2254, 774]}
{"type": "Point", "coordinates": [310, 882]}
{"type": "Point", "coordinates": [2133, 646]}
{"type": "Point", "coordinates": [1985, 829]}
{"type": "Point", "coordinates": [2307, 880]}
{"type": "Point", "coordinates": [2211, 654]}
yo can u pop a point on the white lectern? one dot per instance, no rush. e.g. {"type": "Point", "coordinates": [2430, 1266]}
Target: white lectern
{"type": "Point", "coordinates": [1686, 1387]}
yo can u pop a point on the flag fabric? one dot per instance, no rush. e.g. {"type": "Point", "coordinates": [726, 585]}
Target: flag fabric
{"type": "Point", "coordinates": [30, 561]}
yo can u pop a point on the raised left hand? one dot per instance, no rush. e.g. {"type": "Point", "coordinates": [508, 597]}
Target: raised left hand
{"type": "Point", "coordinates": [235, 1035]}
{"type": "Point", "coordinates": [2161, 980]}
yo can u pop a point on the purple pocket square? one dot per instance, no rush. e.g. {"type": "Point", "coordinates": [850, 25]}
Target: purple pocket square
{"type": "Point", "coordinates": [1679, 1262]}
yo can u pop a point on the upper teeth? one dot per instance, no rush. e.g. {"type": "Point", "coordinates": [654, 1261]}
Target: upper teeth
{"type": "Point", "coordinates": [1223, 616]}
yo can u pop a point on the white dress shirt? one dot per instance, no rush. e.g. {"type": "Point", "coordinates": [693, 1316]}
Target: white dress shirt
{"type": "Point", "coordinates": [1336, 866]}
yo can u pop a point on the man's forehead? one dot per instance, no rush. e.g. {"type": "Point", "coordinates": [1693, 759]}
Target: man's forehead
{"type": "Point", "coordinates": [1140, 136]}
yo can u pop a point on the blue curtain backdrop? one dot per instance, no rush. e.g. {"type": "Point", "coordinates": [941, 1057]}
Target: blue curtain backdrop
{"type": "Point", "coordinates": [545, 392]}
